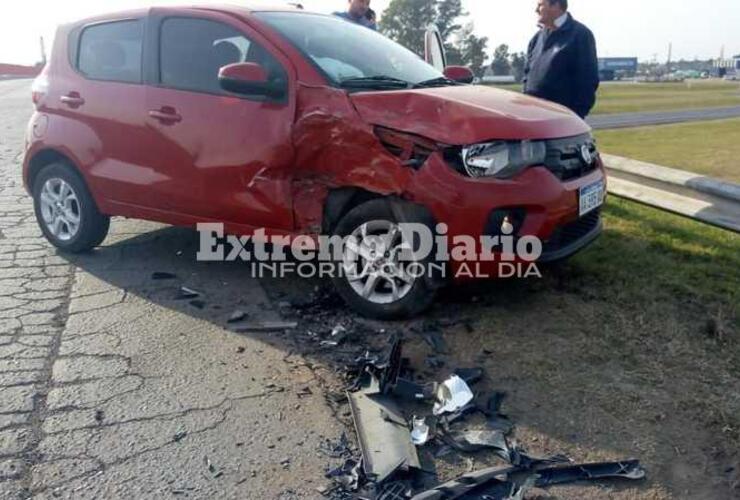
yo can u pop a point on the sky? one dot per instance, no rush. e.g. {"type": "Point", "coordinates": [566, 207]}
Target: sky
{"type": "Point", "coordinates": [624, 28]}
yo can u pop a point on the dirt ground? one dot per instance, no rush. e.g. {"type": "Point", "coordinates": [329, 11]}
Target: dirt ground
{"type": "Point", "coordinates": [592, 369]}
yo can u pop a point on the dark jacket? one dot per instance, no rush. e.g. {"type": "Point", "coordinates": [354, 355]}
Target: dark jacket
{"type": "Point", "coordinates": [562, 67]}
{"type": "Point", "coordinates": [362, 21]}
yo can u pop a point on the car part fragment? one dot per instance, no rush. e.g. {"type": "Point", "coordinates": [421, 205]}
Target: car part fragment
{"type": "Point", "coordinates": [628, 469]}
{"type": "Point", "coordinates": [385, 440]}
{"type": "Point", "coordinates": [509, 483]}
{"type": "Point", "coordinates": [459, 486]}
{"type": "Point", "coordinates": [420, 431]}
{"type": "Point", "coordinates": [452, 395]}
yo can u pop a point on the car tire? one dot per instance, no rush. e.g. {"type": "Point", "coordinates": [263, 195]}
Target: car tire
{"type": "Point", "coordinates": [413, 298]}
{"type": "Point", "coordinates": [66, 211]}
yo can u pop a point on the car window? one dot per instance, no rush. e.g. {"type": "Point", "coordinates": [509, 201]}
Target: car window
{"type": "Point", "coordinates": [192, 51]}
{"type": "Point", "coordinates": [112, 51]}
{"type": "Point", "coordinates": [345, 50]}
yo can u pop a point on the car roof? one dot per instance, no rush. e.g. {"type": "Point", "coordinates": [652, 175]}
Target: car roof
{"type": "Point", "coordinates": [241, 10]}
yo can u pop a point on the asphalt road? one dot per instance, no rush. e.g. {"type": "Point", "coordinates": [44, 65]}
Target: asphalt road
{"type": "Point", "coordinates": [111, 388]}
{"type": "Point", "coordinates": [625, 120]}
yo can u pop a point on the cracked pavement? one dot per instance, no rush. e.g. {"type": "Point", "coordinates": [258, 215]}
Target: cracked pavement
{"type": "Point", "coordinates": [111, 387]}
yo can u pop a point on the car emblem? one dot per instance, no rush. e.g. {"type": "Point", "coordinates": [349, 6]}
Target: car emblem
{"type": "Point", "coordinates": [586, 155]}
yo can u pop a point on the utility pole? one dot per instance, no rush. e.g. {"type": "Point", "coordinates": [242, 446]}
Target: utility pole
{"type": "Point", "coordinates": [670, 53]}
{"type": "Point", "coordinates": [43, 51]}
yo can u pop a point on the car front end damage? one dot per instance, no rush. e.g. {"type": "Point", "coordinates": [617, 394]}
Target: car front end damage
{"type": "Point", "coordinates": [345, 143]}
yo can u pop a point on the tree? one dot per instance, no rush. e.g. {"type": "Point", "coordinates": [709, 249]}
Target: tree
{"type": "Point", "coordinates": [406, 22]}
{"type": "Point", "coordinates": [518, 61]}
{"type": "Point", "coordinates": [500, 65]}
{"type": "Point", "coordinates": [472, 49]}
{"type": "Point", "coordinates": [448, 13]}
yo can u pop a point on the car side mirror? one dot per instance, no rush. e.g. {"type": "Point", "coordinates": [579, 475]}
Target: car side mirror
{"type": "Point", "coordinates": [249, 79]}
{"type": "Point", "coordinates": [459, 74]}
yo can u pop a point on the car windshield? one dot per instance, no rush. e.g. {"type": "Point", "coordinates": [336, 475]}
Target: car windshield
{"type": "Point", "coordinates": [351, 55]}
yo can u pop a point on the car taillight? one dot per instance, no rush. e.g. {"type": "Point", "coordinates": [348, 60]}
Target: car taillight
{"type": "Point", "coordinates": [39, 88]}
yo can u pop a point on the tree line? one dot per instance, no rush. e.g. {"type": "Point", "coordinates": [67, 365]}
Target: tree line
{"type": "Point", "coordinates": [406, 21]}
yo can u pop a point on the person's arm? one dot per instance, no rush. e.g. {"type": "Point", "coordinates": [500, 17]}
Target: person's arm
{"type": "Point", "coordinates": [587, 74]}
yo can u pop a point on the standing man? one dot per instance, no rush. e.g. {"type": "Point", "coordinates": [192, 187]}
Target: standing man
{"type": "Point", "coordinates": [561, 60]}
{"type": "Point", "coordinates": [357, 12]}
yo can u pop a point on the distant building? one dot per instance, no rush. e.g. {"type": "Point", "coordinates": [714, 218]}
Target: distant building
{"type": "Point", "coordinates": [611, 68]}
{"type": "Point", "coordinates": [724, 67]}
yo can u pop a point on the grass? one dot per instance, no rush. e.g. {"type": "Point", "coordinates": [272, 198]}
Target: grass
{"type": "Point", "coordinates": [709, 148]}
{"type": "Point", "coordinates": [650, 256]}
{"type": "Point", "coordinates": [642, 97]}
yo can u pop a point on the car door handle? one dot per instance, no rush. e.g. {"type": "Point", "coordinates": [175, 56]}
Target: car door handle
{"type": "Point", "coordinates": [73, 100]}
{"type": "Point", "coordinates": [165, 115]}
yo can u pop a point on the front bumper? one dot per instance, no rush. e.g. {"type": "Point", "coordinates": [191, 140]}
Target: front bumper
{"type": "Point", "coordinates": [550, 206]}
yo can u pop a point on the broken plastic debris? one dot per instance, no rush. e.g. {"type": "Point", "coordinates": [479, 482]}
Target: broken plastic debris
{"type": "Point", "coordinates": [348, 475]}
{"type": "Point", "coordinates": [338, 335]}
{"type": "Point", "coordinates": [452, 395]}
{"type": "Point", "coordinates": [237, 316]}
{"type": "Point", "coordinates": [420, 432]}
{"type": "Point", "coordinates": [160, 276]}
{"type": "Point", "coordinates": [267, 326]}
{"type": "Point", "coordinates": [187, 293]}
{"type": "Point", "coordinates": [412, 391]}
{"type": "Point", "coordinates": [382, 432]}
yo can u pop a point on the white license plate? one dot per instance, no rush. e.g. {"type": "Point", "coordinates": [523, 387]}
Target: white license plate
{"type": "Point", "coordinates": [591, 197]}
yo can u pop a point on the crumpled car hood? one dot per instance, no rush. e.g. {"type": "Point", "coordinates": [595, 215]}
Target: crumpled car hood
{"type": "Point", "coordinates": [462, 115]}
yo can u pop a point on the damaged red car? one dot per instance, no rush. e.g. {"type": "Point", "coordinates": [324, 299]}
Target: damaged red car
{"type": "Point", "coordinates": [298, 124]}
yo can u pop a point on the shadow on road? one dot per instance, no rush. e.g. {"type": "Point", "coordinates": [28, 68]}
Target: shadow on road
{"type": "Point", "coordinates": [576, 383]}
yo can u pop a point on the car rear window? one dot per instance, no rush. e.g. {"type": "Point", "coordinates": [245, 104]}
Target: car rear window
{"type": "Point", "coordinates": [112, 51]}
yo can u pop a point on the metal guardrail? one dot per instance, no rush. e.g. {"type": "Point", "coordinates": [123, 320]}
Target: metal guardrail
{"type": "Point", "coordinates": [684, 193]}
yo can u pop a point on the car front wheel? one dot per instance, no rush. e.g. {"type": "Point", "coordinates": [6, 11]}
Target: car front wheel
{"type": "Point", "coordinates": [373, 279]}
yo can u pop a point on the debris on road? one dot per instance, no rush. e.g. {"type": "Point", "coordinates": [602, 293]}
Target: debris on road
{"type": "Point", "coordinates": [237, 316]}
{"type": "Point", "coordinates": [215, 473]}
{"type": "Point", "coordinates": [452, 395]}
{"type": "Point", "coordinates": [420, 431]}
{"type": "Point", "coordinates": [162, 276]}
{"type": "Point", "coordinates": [186, 293]}
{"type": "Point", "coordinates": [337, 337]}
{"type": "Point", "coordinates": [385, 440]}
{"type": "Point", "coordinates": [389, 467]}
{"type": "Point", "coordinates": [264, 327]}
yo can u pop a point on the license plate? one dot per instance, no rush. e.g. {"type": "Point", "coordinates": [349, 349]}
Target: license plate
{"type": "Point", "coordinates": [591, 197]}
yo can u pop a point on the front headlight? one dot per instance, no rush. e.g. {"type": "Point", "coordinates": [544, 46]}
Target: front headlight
{"type": "Point", "coordinates": [502, 159]}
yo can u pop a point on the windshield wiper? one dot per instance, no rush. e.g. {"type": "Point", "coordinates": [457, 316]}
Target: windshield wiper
{"type": "Point", "coordinates": [374, 82]}
{"type": "Point", "coordinates": [442, 81]}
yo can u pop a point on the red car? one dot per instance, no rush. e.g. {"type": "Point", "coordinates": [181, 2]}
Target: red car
{"type": "Point", "coordinates": [301, 124]}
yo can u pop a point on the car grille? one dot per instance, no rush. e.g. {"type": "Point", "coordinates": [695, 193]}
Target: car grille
{"type": "Point", "coordinates": [564, 158]}
{"type": "Point", "coordinates": [570, 233]}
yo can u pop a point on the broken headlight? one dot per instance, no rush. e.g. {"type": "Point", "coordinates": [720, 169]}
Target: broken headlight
{"type": "Point", "coordinates": [502, 159]}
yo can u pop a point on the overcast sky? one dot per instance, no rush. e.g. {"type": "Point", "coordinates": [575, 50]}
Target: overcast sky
{"type": "Point", "coordinates": [641, 28]}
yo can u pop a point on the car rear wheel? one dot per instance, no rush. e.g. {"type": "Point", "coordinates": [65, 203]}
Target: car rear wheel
{"type": "Point", "coordinates": [372, 278]}
{"type": "Point", "coordinates": [66, 211]}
